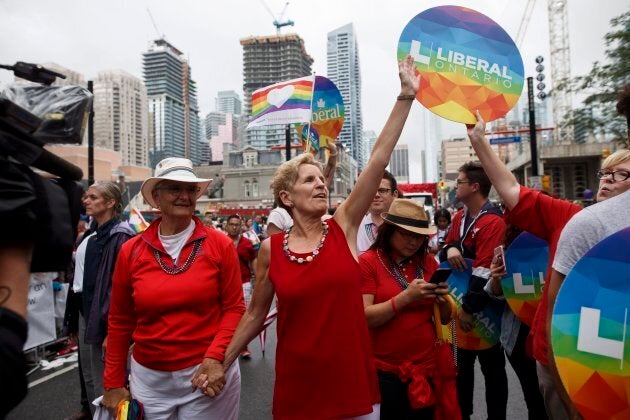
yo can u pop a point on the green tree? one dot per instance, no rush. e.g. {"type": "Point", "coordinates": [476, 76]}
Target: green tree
{"type": "Point", "coordinates": [604, 83]}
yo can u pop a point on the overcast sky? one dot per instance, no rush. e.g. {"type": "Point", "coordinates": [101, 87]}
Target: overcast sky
{"type": "Point", "coordinates": [89, 36]}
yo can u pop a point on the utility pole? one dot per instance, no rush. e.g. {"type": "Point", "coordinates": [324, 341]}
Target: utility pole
{"type": "Point", "coordinates": [91, 138]}
{"type": "Point", "coordinates": [287, 144]}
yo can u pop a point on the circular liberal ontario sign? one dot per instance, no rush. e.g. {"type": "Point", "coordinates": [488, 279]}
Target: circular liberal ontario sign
{"type": "Point", "coordinates": [466, 61]}
{"type": "Point", "coordinates": [526, 261]}
{"type": "Point", "coordinates": [590, 330]}
{"type": "Point", "coordinates": [486, 329]}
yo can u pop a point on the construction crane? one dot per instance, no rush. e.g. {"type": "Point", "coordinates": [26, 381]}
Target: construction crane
{"type": "Point", "coordinates": [560, 56]}
{"type": "Point", "coordinates": [560, 61]}
{"type": "Point", "coordinates": [522, 29]}
{"type": "Point", "coordinates": [160, 36]}
{"type": "Point", "coordinates": [278, 22]}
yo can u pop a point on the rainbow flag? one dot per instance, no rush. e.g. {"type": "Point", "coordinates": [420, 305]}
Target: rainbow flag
{"type": "Point", "coordinates": [283, 103]}
{"type": "Point", "coordinates": [136, 221]}
{"type": "Point", "coordinates": [254, 239]}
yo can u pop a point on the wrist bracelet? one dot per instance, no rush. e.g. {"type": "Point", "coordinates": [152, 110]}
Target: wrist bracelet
{"type": "Point", "coordinates": [406, 97]}
{"type": "Point", "coordinates": [394, 308]}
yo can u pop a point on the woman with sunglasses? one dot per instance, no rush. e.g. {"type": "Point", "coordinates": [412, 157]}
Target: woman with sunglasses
{"type": "Point", "coordinates": [177, 293]}
{"type": "Point", "coordinates": [416, 376]}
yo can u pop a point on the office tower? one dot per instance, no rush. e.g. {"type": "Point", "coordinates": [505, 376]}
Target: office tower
{"type": "Point", "coordinates": [343, 69]}
{"type": "Point", "coordinates": [399, 163]}
{"type": "Point", "coordinates": [120, 116]}
{"type": "Point", "coordinates": [369, 139]}
{"type": "Point", "coordinates": [268, 60]}
{"type": "Point", "coordinates": [228, 101]}
{"type": "Point", "coordinates": [173, 110]}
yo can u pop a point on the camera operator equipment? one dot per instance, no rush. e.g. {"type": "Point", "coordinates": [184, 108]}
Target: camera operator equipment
{"type": "Point", "coordinates": [38, 216]}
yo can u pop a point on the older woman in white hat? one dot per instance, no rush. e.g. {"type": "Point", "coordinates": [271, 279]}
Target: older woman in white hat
{"type": "Point", "coordinates": [416, 377]}
{"type": "Point", "coordinates": [177, 293]}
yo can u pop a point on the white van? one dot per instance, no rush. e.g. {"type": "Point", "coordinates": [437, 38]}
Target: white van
{"type": "Point", "coordinates": [426, 199]}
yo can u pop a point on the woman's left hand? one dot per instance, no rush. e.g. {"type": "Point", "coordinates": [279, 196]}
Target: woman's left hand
{"type": "Point", "coordinates": [210, 377]}
{"type": "Point", "coordinates": [409, 80]}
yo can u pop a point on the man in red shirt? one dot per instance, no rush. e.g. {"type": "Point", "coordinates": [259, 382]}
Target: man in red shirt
{"type": "Point", "coordinates": [543, 216]}
{"type": "Point", "coordinates": [476, 231]}
{"type": "Point", "coordinates": [246, 256]}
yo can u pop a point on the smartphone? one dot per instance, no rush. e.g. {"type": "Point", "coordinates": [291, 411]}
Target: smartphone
{"type": "Point", "coordinates": [499, 255]}
{"type": "Point", "coordinates": [440, 275]}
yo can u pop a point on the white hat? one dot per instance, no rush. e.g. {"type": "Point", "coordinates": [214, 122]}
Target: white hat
{"type": "Point", "coordinates": [174, 169]}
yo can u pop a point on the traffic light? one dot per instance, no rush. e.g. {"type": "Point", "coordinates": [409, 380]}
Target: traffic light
{"type": "Point", "coordinates": [546, 183]}
{"type": "Point", "coordinates": [442, 184]}
{"type": "Point", "coordinates": [605, 153]}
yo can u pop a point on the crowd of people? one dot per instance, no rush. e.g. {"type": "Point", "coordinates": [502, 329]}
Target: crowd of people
{"type": "Point", "coordinates": [359, 317]}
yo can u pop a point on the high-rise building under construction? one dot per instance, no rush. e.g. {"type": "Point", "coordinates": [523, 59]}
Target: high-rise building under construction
{"type": "Point", "coordinates": [268, 60]}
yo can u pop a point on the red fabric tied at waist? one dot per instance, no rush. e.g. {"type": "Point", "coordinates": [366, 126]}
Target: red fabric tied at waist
{"type": "Point", "coordinates": [431, 382]}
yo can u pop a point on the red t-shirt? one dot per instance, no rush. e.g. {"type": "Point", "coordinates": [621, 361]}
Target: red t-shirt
{"type": "Point", "coordinates": [324, 365]}
{"type": "Point", "coordinates": [545, 217]}
{"type": "Point", "coordinates": [246, 253]}
{"type": "Point", "coordinates": [409, 336]}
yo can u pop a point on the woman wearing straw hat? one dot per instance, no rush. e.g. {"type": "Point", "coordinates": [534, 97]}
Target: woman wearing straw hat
{"type": "Point", "coordinates": [324, 367]}
{"type": "Point", "coordinates": [405, 313]}
{"type": "Point", "coordinates": [177, 293]}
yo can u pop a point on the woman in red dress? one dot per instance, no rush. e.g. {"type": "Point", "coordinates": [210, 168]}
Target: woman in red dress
{"type": "Point", "coordinates": [416, 373]}
{"type": "Point", "coordinates": [324, 367]}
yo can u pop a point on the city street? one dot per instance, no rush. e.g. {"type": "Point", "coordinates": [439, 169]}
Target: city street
{"type": "Point", "coordinates": [54, 394]}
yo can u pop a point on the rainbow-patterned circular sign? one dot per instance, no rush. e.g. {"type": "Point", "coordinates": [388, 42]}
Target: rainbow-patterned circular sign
{"type": "Point", "coordinates": [467, 62]}
{"type": "Point", "coordinates": [327, 114]}
{"type": "Point", "coordinates": [526, 261]}
{"type": "Point", "coordinates": [590, 330]}
{"type": "Point", "coordinates": [486, 324]}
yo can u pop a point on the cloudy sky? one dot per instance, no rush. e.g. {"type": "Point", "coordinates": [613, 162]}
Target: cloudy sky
{"type": "Point", "coordinates": [89, 36]}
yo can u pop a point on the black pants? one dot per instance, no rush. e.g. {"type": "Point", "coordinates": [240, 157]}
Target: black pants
{"type": "Point", "coordinates": [525, 368]}
{"type": "Point", "coordinates": [492, 362]}
{"type": "Point", "coordinates": [13, 383]}
{"type": "Point", "coordinates": [395, 402]}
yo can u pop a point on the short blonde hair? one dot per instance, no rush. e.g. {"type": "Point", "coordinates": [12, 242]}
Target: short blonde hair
{"type": "Point", "coordinates": [287, 174]}
{"type": "Point", "coordinates": [110, 191]}
{"type": "Point", "coordinates": [620, 156]}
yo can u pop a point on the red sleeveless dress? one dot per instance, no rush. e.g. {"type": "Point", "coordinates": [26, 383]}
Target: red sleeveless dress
{"type": "Point", "coordinates": [324, 366]}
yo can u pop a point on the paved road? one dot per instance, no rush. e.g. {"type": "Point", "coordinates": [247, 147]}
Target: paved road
{"type": "Point", "coordinates": [55, 397]}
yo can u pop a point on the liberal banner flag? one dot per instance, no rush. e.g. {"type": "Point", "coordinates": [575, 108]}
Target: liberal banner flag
{"type": "Point", "coordinates": [283, 103]}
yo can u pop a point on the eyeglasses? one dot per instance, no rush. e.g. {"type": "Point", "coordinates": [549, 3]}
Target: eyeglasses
{"type": "Point", "coordinates": [617, 176]}
{"type": "Point", "coordinates": [460, 182]}
{"type": "Point", "coordinates": [409, 235]}
{"type": "Point", "coordinates": [176, 190]}
{"type": "Point", "coordinates": [383, 191]}
{"type": "Point", "coordinates": [234, 225]}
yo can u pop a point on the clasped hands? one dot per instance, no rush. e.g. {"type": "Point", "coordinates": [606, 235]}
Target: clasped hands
{"type": "Point", "coordinates": [209, 378]}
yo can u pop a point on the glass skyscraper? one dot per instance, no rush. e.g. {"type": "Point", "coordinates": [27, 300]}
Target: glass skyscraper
{"type": "Point", "coordinates": [174, 128]}
{"type": "Point", "coordinates": [343, 69]}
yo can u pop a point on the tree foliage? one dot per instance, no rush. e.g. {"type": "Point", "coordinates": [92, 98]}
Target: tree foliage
{"type": "Point", "coordinates": [604, 83]}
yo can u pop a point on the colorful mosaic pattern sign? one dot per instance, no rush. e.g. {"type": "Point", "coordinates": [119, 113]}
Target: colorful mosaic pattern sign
{"type": "Point", "coordinates": [283, 103]}
{"type": "Point", "coordinates": [327, 116]}
{"type": "Point", "coordinates": [467, 62]}
{"type": "Point", "coordinates": [590, 334]}
{"type": "Point", "coordinates": [526, 261]}
{"type": "Point", "coordinates": [486, 324]}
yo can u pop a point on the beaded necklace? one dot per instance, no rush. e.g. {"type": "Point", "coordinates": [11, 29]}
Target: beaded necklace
{"type": "Point", "coordinates": [173, 269]}
{"type": "Point", "coordinates": [392, 268]}
{"type": "Point", "coordinates": [308, 258]}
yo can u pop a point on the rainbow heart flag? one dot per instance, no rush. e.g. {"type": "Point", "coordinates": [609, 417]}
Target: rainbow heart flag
{"type": "Point", "coordinates": [283, 103]}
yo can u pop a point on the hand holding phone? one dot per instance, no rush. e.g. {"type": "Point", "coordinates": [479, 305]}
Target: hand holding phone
{"type": "Point", "coordinates": [498, 258]}
{"type": "Point", "coordinates": [440, 275]}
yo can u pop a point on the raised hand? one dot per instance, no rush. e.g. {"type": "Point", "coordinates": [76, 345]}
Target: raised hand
{"type": "Point", "coordinates": [409, 79]}
{"type": "Point", "coordinates": [477, 132]}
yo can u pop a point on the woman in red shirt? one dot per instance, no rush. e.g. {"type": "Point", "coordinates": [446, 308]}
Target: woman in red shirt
{"type": "Point", "coordinates": [177, 293]}
{"type": "Point", "coordinates": [416, 376]}
{"type": "Point", "coordinates": [324, 368]}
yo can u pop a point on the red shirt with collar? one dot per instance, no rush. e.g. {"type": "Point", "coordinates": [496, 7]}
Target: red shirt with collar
{"type": "Point", "coordinates": [545, 217]}
{"type": "Point", "coordinates": [409, 336]}
{"type": "Point", "coordinates": [175, 320]}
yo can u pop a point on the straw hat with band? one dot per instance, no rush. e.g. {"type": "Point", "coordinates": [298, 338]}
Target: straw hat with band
{"type": "Point", "coordinates": [173, 169]}
{"type": "Point", "coordinates": [409, 215]}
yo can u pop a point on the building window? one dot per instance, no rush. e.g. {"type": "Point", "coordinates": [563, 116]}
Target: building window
{"type": "Point", "coordinates": [255, 188]}
{"type": "Point", "coordinates": [247, 189]}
